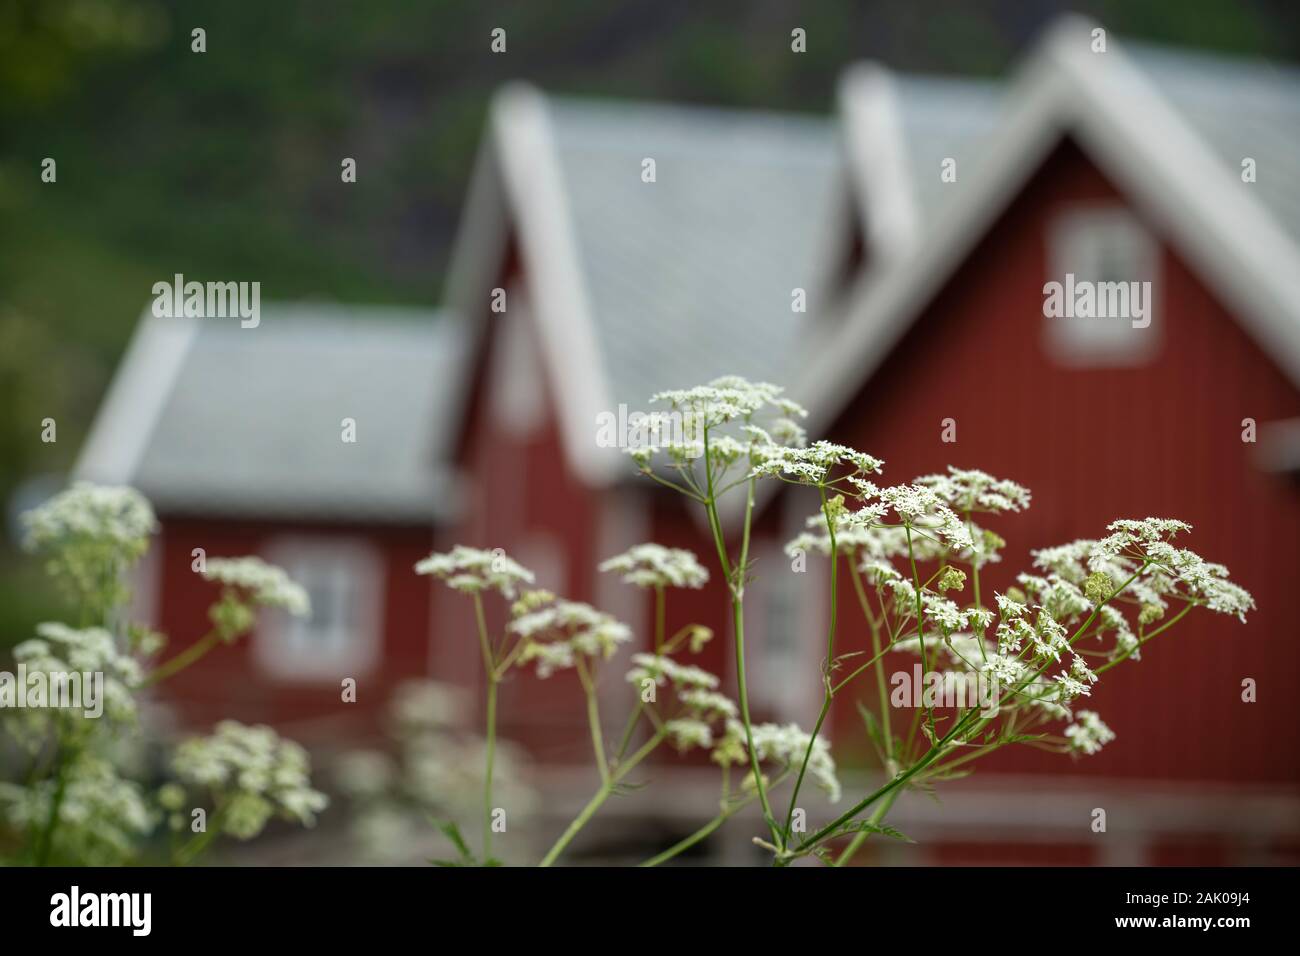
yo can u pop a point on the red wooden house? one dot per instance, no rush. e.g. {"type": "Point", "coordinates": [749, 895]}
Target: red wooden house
{"type": "Point", "coordinates": [920, 225]}
{"type": "Point", "coordinates": [238, 437]}
{"type": "Point", "coordinates": [1129, 164]}
{"type": "Point", "coordinates": [1117, 165]}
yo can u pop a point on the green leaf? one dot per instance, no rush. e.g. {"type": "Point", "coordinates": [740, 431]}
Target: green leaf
{"type": "Point", "coordinates": [884, 829]}
{"type": "Point", "coordinates": [452, 833]}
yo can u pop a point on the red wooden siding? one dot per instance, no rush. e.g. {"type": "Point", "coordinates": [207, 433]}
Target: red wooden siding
{"type": "Point", "coordinates": [1095, 444]}
{"type": "Point", "coordinates": [228, 682]}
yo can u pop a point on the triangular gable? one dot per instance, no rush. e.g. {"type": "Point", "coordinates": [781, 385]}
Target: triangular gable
{"type": "Point", "coordinates": [1138, 140]}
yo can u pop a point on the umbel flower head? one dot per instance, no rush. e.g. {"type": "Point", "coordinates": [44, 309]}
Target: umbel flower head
{"type": "Point", "coordinates": [473, 570]}
{"type": "Point", "coordinates": [59, 651]}
{"type": "Point", "coordinates": [662, 669]}
{"type": "Point", "coordinates": [970, 490]}
{"type": "Point", "coordinates": [92, 514]}
{"type": "Point", "coordinates": [783, 745]}
{"type": "Point", "coordinates": [90, 534]}
{"type": "Point", "coordinates": [697, 416]}
{"type": "Point", "coordinates": [654, 566]}
{"type": "Point", "coordinates": [101, 816]}
{"type": "Point", "coordinates": [813, 465]}
{"type": "Point", "coordinates": [557, 631]}
{"type": "Point", "coordinates": [262, 583]}
{"type": "Point", "coordinates": [253, 774]}
{"type": "Point", "coordinates": [1088, 734]}
{"type": "Point", "coordinates": [729, 398]}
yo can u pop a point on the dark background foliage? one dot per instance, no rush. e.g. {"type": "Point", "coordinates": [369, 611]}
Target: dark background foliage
{"type": "Point", "coordinates": [226, 164]}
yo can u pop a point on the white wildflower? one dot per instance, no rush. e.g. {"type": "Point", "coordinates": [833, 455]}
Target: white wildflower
{"type": "Point", "coordinates": [970, 490]}
{"type": "Point", "coordinates": [557, 632]}
{"type": "Point", "coordinates": [707, 703]}
{"type": "Point", "coordinates": [687, 732]}
{"type": "Point", "coordinates": [86, 512]}
{"type": "Point", "coordinates": [661, 667]}
{"type": "Point", "coordinates": [812, 465]}
{"type": "Point", "coordinates": [265, 583]}
{"type": "Point", "coordinates": [254, 773]}
{"type": "Point", "coordinates": [783, 745]}
{"type": "Point", "coordinates": [473, 570]}
{"type": "Point", "coordinates": [1088, 733]}
{"type": "Point", "coordinates": [654, 566]}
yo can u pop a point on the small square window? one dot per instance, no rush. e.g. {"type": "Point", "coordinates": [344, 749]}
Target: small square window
{"type": "Point", "coordinates": [1101, 260]}
{"type": "Point", "coordinates": [341, 636]}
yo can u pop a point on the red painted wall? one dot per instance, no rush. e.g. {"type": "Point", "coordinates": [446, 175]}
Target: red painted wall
{"type": "Point", "coordinates": [1163, 439]}
{"type": "Point", "coordinates": [229, 684]}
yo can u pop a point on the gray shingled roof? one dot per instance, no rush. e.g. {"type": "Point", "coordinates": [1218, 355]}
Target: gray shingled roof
{"type": "Point", "coordinates": [252, 424]}
{"type": "Point", "coordinates": [1239, 108]}
{"type": "Point", "coordinates": [693, 274]}
{"type": "Point", "coordinates": [944, 118]}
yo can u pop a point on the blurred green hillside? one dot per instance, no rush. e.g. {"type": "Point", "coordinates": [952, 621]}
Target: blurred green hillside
{"type": "Point", "coordinates": [226, 164]}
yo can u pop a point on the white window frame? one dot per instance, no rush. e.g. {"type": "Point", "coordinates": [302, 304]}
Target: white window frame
{"type": "Point", "coordinates": [352, 569]}
{"type": "Point", "coordinates": [1088, 240]}
{"type": "Point", "coordinates": [787, 653]}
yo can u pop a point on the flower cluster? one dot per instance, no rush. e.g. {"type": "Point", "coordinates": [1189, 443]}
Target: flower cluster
{"type": "Point", "coordinates": [253, 775]}
{"type": "Point", "coordinates": [969, 490]}
{"type": "Point", "coordinates": [474, 570]}
{"type": "Point", "coordinates": [100, 817]}
{"type": "Point", "coordinates": [925, 511]}
{"type": "Point", "coordinates": [693, 426]}
{"type": "Point", "coordinates": [90, 534]}
{"type": "Point", "coordinates": [59, 653]}
{"type": "Point", "coordinates": [812, 465]}
{"type": "Point", "coordinates": [783, 745]}
{"type": "Point", "coordinates": [661, 670]}
{"type": "Point", "coordinates": [263, 584]}
{"type": "Point", "coordinates": [1087, 733]}
{"type": "Point", "coordinates": [96, 514]}
{"type": "Point", "coordinates": [654, 566]}
{"type": "Point", "coordinates": [729, 398]}
{"type": "Point", "coordinates": [555, 632]}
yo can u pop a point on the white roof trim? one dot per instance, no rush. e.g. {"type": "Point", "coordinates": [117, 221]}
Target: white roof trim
{"type": "Point", "coordinates": [531, 171]}
{"type": "Point", "coordinates": [1136, 138]}
{"type": "Point", "coordinates": [135, 399]}
{"type": "Point", "coordinates": [876, 150]}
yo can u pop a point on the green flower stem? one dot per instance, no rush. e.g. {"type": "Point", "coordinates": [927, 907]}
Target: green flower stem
{"type": "Point", "coordinates": [45, 844]}
{"type": "Point", "coordinates": [627, 731]}
{"type": "Point", "coordinates": [878, 660]}
{"type": "Point", "coordinates": [938, 746]}
{"type": "Point", "coordinates": [191, 655]}
{"type": "Point", "coordinates": [736, 581]}
{"type": "Point", "coordinates": [593, 718]}
{"type": "Point", "coordinates": [193, 848]}
{"type": "Point", "coordinates": [598, 799]}
{"type": "Point", "coordinates": [828, 690]}
{"type": "Point", "coordinates": [920, 622]}
{"type": "Point", "coordinates": [861, 837]}
{"type": "Point", "coordinates": [685, 844]}
{"type": "Point", "coordinates": [847, 816]}
{"type": "Point", "coordinates": [1159, 630]}
{"type": "Point", "coordinates": [491, 731]}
